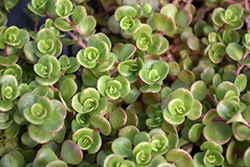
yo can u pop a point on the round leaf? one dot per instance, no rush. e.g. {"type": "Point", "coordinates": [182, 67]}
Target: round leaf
{"type": "Point", "coordinates": [71, 152]}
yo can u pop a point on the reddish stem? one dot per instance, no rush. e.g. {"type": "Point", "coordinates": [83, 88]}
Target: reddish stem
{"type": "Point", "coordinates": [160, 33]}
{"type": "Point", "coordinates": [79, 42]}
{"type": "Point", "coordinates": [70, 114]}
{"type": "Point", "coordinates": [241, 65]}
{"type": "Point", "coordinates": [246, 4]}
{"type": "Point", "coordinates": [180, 128]}
{"type": "Point", "coordinates": [234, 2]}
{"type": "Point", "coordinates": [107, 115]}
{"type": "Point", "coordinates": [245, 123]}
{"type": "Point", "coordinates": [221, 27]}
{"type": "Point", "coordinates": [188, 146]}
{"type": "Point", "coordinates": [116, 64]}
{"type": "Point", "coordinates": [76, 28]}
{"type": "Point", "coordinates": [113, 72]}
{"type": "Point", "coordinates": [5, 50]}
{"type": "Point", "coordinates": [48, 15]}
{"type": "Point", "coordinates": [210, 97]}
{"type": "Point", "coordinates": [140, 82]}
{"type": "Point", "coordinates": [238, 153]}
{"type": "Point", "coordinates": [35, 26]}
{"type": "Point", "coordinates": [155, 97]}
{"type": "Point", "coordinates": [96, 131]}
{"type": "Point", "coordinates": [219, 119]}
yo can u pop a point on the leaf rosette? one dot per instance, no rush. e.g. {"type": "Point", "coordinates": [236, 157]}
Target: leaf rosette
{"type": "Point", "coordinates": [38, 7]}
{"type": "Point", "coordinates": [142, 154]}
{"type": "Point", "coordinates": [47, 69]}
{"type": "Point", "coordinates": [89, 101]}
{"type": "Point", "coordinates": [113, 88]}
{"type": "Point", "coordinates": [212, 155]}
{"type": "Point", "coordinates": [216, 52]}
{"type": "Point", "coordinates": [125, 16]}
{"type": "Point", "coordinates": [44, 115]}
{"type": "Point", "coordinates": [159, 144]}
{"type": "Point", "coordinates": [88, 57]}
{"type": "Point", "coordinates": [63, 8]}
{"type": "Point", "coordinates": [155, 116]}
{"type": "Point", "coordinates": [45, 43]}
{"type": "Point", "coordinates": [98, 47]}
{"type": "Point", "coordinates": [179, 104]}
{"type": "Point", "coordinates": [13, 36]}
{"type": "Point", "coordinates": [86, 140]}
{"type": "Point", "coordinates": [130, 69]}
{"type": "Point", "coordinates": [231, 110]}
{"type": "Point", "coordinates": [82, 120]}
{"type": "Point", "coordinates": [143, 37]}
{"type": "Point", "coordinates": [153, 73]}
{"type": "Point", "coordinates": [8, 91]}
{"type": "Point", "coordinates": [230, 17]}
{"type": "Point", "coordinates": [117, 160]}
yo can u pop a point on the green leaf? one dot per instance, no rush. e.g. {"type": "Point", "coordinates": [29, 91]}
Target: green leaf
{"type": "Point", "coordinates": [126, 51]}
{"type": "Point", "coordinates": [195, 132]}
{"type": "Point", "coordinates": [63, 8]}
{"type": "Point", "coordinates": [87, 26]}
{"type": "Point", "coordinates": [68, 88]}
{"type": "Point", "coordinates": [117, 118]}
{"type": "Point", "coordinates": [169, 10]}
{"type": "Point", "coordinates": [193, 43]}
{"type": "Point", "coordinates": [186, 77]}
{"type": "Point", "coordinates": [71, 153]}
{"type": "Point", "coordinates": [179, 157]}
{"type": "Point", "coordinates": [164, 23]}
{"type": "Point", "coordinates": [122, 146]}
{"type": "Point", "coordinates": [43, 157]}
{"type": "Point", "coordinates": [183, 18]}
{"type": "Point", "coordinates": [123, 11]}
{"type": "Point", "coordinates": [102, 123]}
{"type": "Point", "coordinates": [128, 132]}
{"type": "Point", "coordinates": [63, 25]}
{"type": "Point", "coordinates": [39, 135]}
{"type": "Point", "coordinates": [12, 159]}
{"type": "Point", "coordinates": [199, 90]}
{"type": "Point", "coordinates": [234, 51]}
{"type": "Point", "coordinates": [246, 157]}
{"type": "Point", "coordinates": [217, 131]}
{"type": "Point", "coordinates": [57, 163]}
{"type": "Point", "coordinates": [79, 14]}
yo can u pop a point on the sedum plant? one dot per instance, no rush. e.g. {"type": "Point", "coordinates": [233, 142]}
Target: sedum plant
{"type": "Point", "coordinates": [119, 83]}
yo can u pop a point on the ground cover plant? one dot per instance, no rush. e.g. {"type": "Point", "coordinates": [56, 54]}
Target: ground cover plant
{"type": "Point", "coordinates": [146, 83]}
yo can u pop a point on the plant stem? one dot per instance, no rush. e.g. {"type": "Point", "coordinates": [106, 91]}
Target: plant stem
{"type": "Point", "coordinates": [188, 146]}
{"type": "Point", "coordinates": [240, 66]}
{"type": "Point", "coordinates": [5, 50]}
{"type": "Point", "coordinates": [79, 42]}
{"type": "Point", "coordinates": [35, 25]}
{"type": "Point", "coordinates": [76, 28]}
{"type": "Point", "coordinates": [221, 27]}
{"type": "Point", "coordinates": [96, 131]}
{"type": "Point", "coordinates": [155, 97]}
{"type": "Point", "coordinates": [48, 15]}
{"type": "Point", "coordinates": [234, 2]}
{"type": "Point", "coordinates": [70, 114]}
{"type": "Point", "coordinates": [140, 82]}
{"type": "Point", "coordinates": [238, 153]}
{"type": "Point", "coordinates": [113, 72]}
{"type": "Point", "coordinates": [245, 123]}
{"type": "Point", "coordinates": [116, 64]}
{"type": "Point", "coordinates": [210, 97]}
{"type": "Point", "coordinates": [246, 4]}
{"type": "Point", "coordinates": [180, 128]}
{"type": "Point", "coordinates": [160, 33]}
